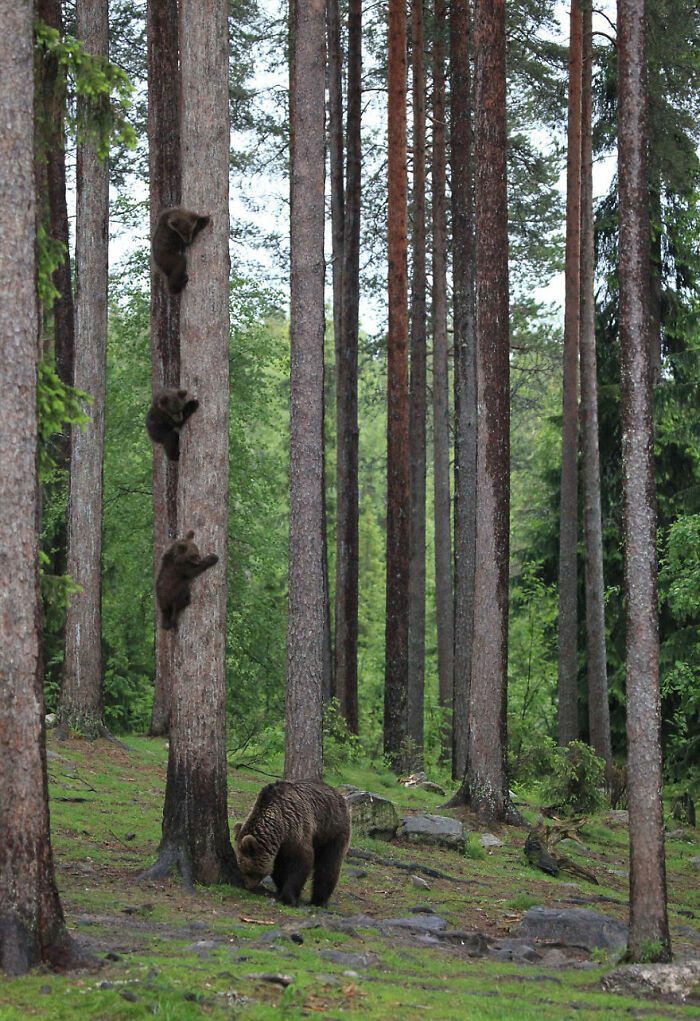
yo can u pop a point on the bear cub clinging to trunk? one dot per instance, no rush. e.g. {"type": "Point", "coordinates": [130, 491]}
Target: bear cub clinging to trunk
{"type": "Point", "coordinates": [295, 827]}
{"type": "Point", "coordinates": [166, 417]}
{"type": "Point", "coordinates": [179, 564]}
{"type": "Point", "coordinates": [176, 228]}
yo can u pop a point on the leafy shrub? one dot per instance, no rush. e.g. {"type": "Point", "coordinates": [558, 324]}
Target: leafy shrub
{"type": "Point", "coordinates": [576, 785]}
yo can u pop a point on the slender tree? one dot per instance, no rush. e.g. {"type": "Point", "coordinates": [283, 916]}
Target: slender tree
{"type": "Point", "coordinates": [464, 318]}
{"type": "Point", "coordinates": [417, 409]}
{"type": "Point", "coordinates": [648, 933]}
{"type": "Point", "coordinates": [598, 708]}
{"type": "Point", "coordinates": [567, 713]}
{"type": "Point", "coordinates": [305, 631]}
{"type": "Point", "coordinates": [347, 500]}
{"type": "Point", "coordinates": [444, 605]}
{"type": "Point", "coordinates": [195, 819]}
{"type": "Point", "coordinates": [164, 190]}
{"type": "Point", "coordinates": [80, 705]}
{"type": "Point", "coordinates": [32, 928]}
{"type": "Point", "coordinates": [397, 524]}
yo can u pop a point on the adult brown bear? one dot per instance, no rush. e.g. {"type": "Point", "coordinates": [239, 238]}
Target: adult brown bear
{"type": "Point", "coordinates": [295, 827]}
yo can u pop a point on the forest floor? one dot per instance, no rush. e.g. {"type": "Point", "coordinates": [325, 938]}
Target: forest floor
{"type": "Point", "coordinates": [222, 952]}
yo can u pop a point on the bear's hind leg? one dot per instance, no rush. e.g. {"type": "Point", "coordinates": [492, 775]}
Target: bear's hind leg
{"type": "Point", "coordinates": [327, 865]}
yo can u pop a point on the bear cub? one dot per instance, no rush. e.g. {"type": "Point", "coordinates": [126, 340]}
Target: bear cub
{"type": "Point", "coordinates": [167, 415]}
{"type": "Point", "coordinates": [179, 564]}
{"type": "Point", "coordinates": [295, 827]}
{"type": "Point", "coordinates": [176, 228]}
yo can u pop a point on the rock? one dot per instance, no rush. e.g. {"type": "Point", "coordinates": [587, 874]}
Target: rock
{"type": "Point", "coordinates": [433, 829]}
{"type": "Point", "coordinates": [573, 927]}
{"type": "Point", "coordinates": [50, 720]}
{"type": "Point", "coordinates": [419, 923]}
{"type": "Point", "coordinates": [422, 781]}
{"type": "Point", "coordinates": [618, 817]}
{"type": "Point", "coordinates": [696, 860]}
{"type": "Point", "coordinates": [44, 990]}
{"type": "Point", "coordinates": [277, 978]}
{"type": "Point", "coordinates": [367, 960]}
{"type": "Point", "coordinates": [354, 873]}
{"type": "Point", "coordinates": [421, 884]}
{"type": "Point", "coordinates": [520, 951]}
{"type": "Point", "coordinates": [347, 788]}
{"type": "Point", "coordinates": [372, 815]}
{"type": "Point", "coordinates": [477, 944]}
{"type": "Point", "coordinates": [677, 980]}
{"type": "Point", "coordinates": [677, 835]}
{"type": "Point", "coordinates": [489, 840]}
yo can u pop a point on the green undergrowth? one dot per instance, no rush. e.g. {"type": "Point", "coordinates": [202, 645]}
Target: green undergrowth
{"type": "Point", "coordinates": [167, 954]}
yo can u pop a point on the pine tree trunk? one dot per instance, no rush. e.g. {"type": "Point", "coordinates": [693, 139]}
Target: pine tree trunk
{"type": "Point", "coordinates": [463, 258]}
{"type": "Point", "coordinates": [567, 712]}
{"type": "Point", "coordinates": [32, 928]}
{"type": "Point", "coordinates": [416, 594]}
{"type": "Point", "coordinates": [305, 632]}
{"type": "Point", "coordinates": [195, 820]}
{"type": "Point", "coordinates": [347, 430]}
{"type": "Point", "coordinates": [649, 937]}
{"type": "Point", "coordinates": [80, 706]}
{"type": "Point", "coordinates": [397, 526]}
{"type": "Point", "coordinates": [165, 190]}
{"type": "Point", "coordinates": [444, 605]}
{"type": "Point", "coordinates": [598, 708]}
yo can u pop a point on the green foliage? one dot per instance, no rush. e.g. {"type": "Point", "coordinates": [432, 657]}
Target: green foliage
{"type": "Point", "coordinates": [58, 405]}
{"type": "Point", "coordinates": [473, 849]}
{"type": "Point", "coordinates": [104, 88]}
{"type": "Point", "coordinates": [523, 901]}
{"type": "Point", "coordinates": [575, 785]}
{"type": "Point", "coordinates": [340, 746]}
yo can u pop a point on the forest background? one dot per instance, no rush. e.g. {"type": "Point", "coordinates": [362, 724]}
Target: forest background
{"type": "Point", "coordinates": [259, 360]}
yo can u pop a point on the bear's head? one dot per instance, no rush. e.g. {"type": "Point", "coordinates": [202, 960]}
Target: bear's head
{"type": "Point", "coordinates": [254, 861]}
{"type": "Point", "coordinates": [172, 403]}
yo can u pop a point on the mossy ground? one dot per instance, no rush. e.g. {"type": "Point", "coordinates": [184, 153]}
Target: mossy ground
{"type": "Point", "coordinates": [177, 956]}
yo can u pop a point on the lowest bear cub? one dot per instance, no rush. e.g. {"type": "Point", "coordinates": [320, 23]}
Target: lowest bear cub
{"type": "Point", "coordinates": [179, 564]}
{"type": "Point", "coordinates": [295, 827]}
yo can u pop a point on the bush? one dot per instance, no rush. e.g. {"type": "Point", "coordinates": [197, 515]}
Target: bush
{"type": "Point", "coordinates": [576, 784]}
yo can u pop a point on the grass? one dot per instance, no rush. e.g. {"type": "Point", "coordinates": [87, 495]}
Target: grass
{"type": "Point", "coordinates": [180, 957]}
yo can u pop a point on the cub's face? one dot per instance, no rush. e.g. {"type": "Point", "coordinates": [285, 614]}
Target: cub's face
{"type": "Point", "coordinates": [172, 403]}
{"type": "Point", "coordinates": [254, 862]}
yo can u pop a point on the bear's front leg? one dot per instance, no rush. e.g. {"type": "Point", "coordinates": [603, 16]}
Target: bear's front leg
{"type": "Point", "coordinates": [293, 871]}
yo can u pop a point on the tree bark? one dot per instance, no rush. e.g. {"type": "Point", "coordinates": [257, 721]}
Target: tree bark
{"type": "Point", "coordinates": [598, 708]}
{"type": "Point", "coordinates": [195, 819]}
{"type": "Point", "coordinates": [649, 937]}
{"type": "Point", "coordinates": [347, 430]}
{"type": "Point", "coordinates": [444, 605]}
{"type": "Point", "coordinates": [305, 631]}
{"type": "Point", "coordinates": [80, 705]}
{"type": "Point", "coordinates": [397, 526]}
{"type": "Point", "coordinates": [464, 316]}
{"type": "Point", "coordinates": [32, 928]}
{"type": "Point", "coordinates": [567, 672]}
{"type": "Point", "coordinates": [417, 409]}
{"type": "Point", "coordinates": [164, 190]}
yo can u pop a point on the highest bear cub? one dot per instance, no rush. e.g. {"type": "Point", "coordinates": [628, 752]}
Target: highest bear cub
{"type": "Point", "coordinates": [176, 227]}
{"type": "Point", "coordinates": [179, 564]}
{"type": "Point", "coordinates": [167, 415]}
{"type": "Point", "coordinates": [292, 829]}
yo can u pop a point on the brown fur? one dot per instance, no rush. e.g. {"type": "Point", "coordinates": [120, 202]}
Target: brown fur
{"type": "Point", "coordinates": [295, 827]}
{"type": "Point", "coordinates": [176, 228]}
{"type": "Point", "coordinates": [179, 565]}
{"type": "Point", "coordinates": [167, 415]}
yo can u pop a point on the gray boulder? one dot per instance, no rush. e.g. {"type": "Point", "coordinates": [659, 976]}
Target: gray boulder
{"type": "Point", "coordinates": [573, 927]}
{"type": "Point", "coordinates": [433, 829]}
{"type": "Point", "coordinates": [676, 980]}
{"type": "Point", "coordinates": [372, 815]}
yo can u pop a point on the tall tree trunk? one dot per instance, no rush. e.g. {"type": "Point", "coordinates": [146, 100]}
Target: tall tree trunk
{"type": "Point", "coordinates": [464, 316]}
{"type": "Point", "coordinates": [32, 928]}
{"type": "Point", "coordinates": [164, 190]}
{"type": "Point", "coordinates": [397, 524]}
{"type": "Point", "coordinates": [416, 592]}
{"type": "Point", "coordinates": [195, 819]}
{"type": "Point", "coordinates": [598, 709]}
{"type": "Point", "coordinates": [648, 934]}
{"type": "Point", "coordinates": [486, 778]}
{"type": "Point", "coordinates": [444, 605]}
{"type": "Point", "coordinates": [305, 632]}
{"type": "Point", "coordinates": [567, 713]}
{"type": "Point", "coordinates": [347, 431]}
{"type": "Point", "coordinates": [80, 705]}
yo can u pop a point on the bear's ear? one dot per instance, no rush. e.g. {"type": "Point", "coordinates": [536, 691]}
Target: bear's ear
{"type": "Point", "coordinates": [182, 393]}
{"type": "Point", "coordinates": [249, 844]}
{"type": "Point", "coordinates": [190, 534]}
{"type": "Point", "coordinates": [162, 401]}
{"type": "Point", "coordinates": [237, 829]}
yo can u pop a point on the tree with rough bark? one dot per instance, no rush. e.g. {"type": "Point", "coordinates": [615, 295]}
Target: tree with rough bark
{"type": "Point", "coordinates": [195, 835]}
{"type": "Point", "coordinates": [649, 937]}
{"type": "Point", "coordinates": [165, 175]}
{"type": "Point", "coordinates": [464, 320]}
{"type": "Point", "coordinates": [598, 708]}
{"type": "Point", "coordinates": [444, 605]}
{"type": "Point", "coordinates": [417, 409]}
{"type": "Point", "coordinates": [346, 373]}
{"type": "Point", "coordinates": [397, 523]}
{"type": "Point", "coordinates": [32, 927]}
{"type": "Point", "coordinates": [567, 672]}
{"type": "Point", "coordinates": [81, 703]}
{"type": "Point", "coordinates": [306, 616]}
